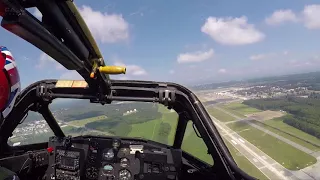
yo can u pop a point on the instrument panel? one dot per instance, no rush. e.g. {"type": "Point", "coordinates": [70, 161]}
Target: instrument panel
{"type": "Point", "coordinates": [101, 158]}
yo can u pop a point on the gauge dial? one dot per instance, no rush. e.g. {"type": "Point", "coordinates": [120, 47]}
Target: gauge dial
{"type": "Point", "coordinates": [107, 171]}
{"type": "Point", "coordinates": [91, 173]}
{"type": "Point", "coordinates": [123, 152]}
{"type": "Point", "coordinates": [108, 155]}
{"type": "Point", "coordinates": [124, 162]}
{"type": "Point", "coordinates": [92, 158]}
{"type": "Point", "coordinates": [124, 174]}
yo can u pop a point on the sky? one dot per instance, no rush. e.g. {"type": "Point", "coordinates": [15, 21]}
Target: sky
{"type": "Point", "coordinates": [189, 42]}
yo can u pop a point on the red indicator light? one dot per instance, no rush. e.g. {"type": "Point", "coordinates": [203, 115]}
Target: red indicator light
{"type": "Point", "coordinates": [50, 149]}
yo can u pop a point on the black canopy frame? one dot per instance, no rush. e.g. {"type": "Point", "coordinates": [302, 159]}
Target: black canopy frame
{"type": "Point", "coordinates": [39, 95]}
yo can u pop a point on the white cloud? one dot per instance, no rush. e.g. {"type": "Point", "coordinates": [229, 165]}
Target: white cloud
{"type": "Point", "coordinates": [281, 16]}
{"type": "Point", "coordinates": [107, 28]}
{"type": "Point", "coordinates": [37, 13]}
{"type": "Point", "coordinates": [264, 56]}
{"type": "Point", "coordinates": [311, 14]}
{"type": "Point", "coordinates": [197, 56]}
{"type": "Point", "coordinates": [25, 58]}
{"type": "Point", "coordinates": [232, 31]}
{"type": "Point", "coordinates": [222, 71]}
{"type": "Point", "coordinates": [171, 72]}
{"type": "Point", "coordinates": [285, 53]}
{"type": "Point", "coordinates": [132, 69]}
{"type": "Point", "coordinates": [71, 75]}
{"type": "Point", "coordinates": [257, 56]}
{"type": "Point", "coordinates": [45, 61]}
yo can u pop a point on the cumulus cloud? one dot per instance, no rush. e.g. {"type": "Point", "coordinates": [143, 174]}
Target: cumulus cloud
{"type": "Point", "coordinates": [197, 56]}
{"type": "Point", "coordinates": [222, 70]}
{"type": "Point", "coordinates": [281, 16]}
{"type": "Point", "coordinates": [232, 31]}
{"type": "Point", "coordinates": [311, 14]}
{"type": "Point", "coordinates": [132, 69]}
{"type": "Point", "coordinates": [107, 28]}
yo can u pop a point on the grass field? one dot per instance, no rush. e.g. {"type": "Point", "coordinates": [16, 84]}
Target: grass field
{"type": "Point", "coordinates": [144, 130]}
{"type": "Point", "coordinates": [278, 123]}
{"type": "Point", "coordinates": [239, 109]}
{"type": "Point", "coordinates": [221, 116]}
{"type": "Point", "coordinates": [191, 143]}
{"type": "Point", "coordinates": [266, 115]}
{"type": "Point", "coordinates": [83, 122]}
{"type": "Point", "coordinates": [149, 130]}
{"type": "Point", "coordinates": [195, 146]}
{"type": "Point", "coordinates": [65, 129]}
{"type": "Point", "coordinates": [287, 136]}
{"type": "Point", "coordinates": [244, 163]}
{"type": "Point", "coordinates": [288, 156]}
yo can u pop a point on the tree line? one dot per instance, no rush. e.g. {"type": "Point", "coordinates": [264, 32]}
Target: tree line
{"type": "Point", "coordinates": [304, 113]}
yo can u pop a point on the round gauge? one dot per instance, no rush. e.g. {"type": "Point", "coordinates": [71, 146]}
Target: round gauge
{"type": "Point", "coordinates": [108, 155]}
{"type": "Point", "coordinates": [91, 173]}
{"type": "Point", "coordinates": [124, 174]}
{"type": "Point", "coordinates": [92, 158]}
{"type": "Point", "coordinates": [108, 167]}
{"type": "Point", "coordinates": [123, 152]}
{"type": "Point", "coordinates": [124, 162]}
{"type": "Point", "coordinates": [107, 170]}
{"type": "Point", "coordinates": [116, 143]}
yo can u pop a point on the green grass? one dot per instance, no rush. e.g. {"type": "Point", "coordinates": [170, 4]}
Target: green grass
{"type": "Point", "coordinates": [144, 130]}
{"type": "Point", "coordinates": [221, 116]}
{"type": "Point", "coordinates": [288, 136]}
{"type": "Point", "coordinates": [244, 163]}
{"type": "Point", "coordinates": [66, 129]}
{"type": "Point", "coordinates": [150, 129]}
{"type": "Point", "coordinates": [278, 123]}
{"type": "Point", "coordinates": [239, 109]}
{"type": "Point", "coordinates": [239, 126]}
{"type": "Point", "coordinates": [195, 146]}
{"type": "Point", "coordinates": [83, 122]}
{"type": "Point", "coordinates": [290, 157]}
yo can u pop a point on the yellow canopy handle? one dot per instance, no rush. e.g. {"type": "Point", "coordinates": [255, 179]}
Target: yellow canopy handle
{"type": "Point", "coordinates": [112, 69]}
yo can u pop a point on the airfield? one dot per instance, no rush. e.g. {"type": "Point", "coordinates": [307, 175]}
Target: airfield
{"type": "Point", "coordinates": [260, 142]}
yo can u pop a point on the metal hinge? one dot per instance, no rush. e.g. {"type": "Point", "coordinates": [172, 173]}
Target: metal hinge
{"type": "Point", "coordinates": [167, 96]}
{"type": "Point", "coordinates": [43, 92]}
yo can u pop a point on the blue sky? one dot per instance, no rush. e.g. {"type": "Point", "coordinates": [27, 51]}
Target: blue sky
{"type": "Point", "coordinates": [190, 42]}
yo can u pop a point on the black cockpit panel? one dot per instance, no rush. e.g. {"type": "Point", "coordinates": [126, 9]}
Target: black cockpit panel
{"type": "Point", "coordinates": [110, 158]}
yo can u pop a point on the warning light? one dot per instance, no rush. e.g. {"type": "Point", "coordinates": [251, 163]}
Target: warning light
{"type": "Point", "coordinates": [50, 149]}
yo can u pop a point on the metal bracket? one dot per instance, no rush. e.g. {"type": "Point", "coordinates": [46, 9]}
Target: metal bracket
{"type": "Point", "coordinates": [43, 93]}
{"type": "Point", "coordinates": [167, 96]}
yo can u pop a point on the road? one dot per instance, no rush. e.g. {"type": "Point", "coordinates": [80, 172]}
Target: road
{"type": "Point", "coordinates": [268, 166]}
{"type": "Point", "coordinates": [311, 172]}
